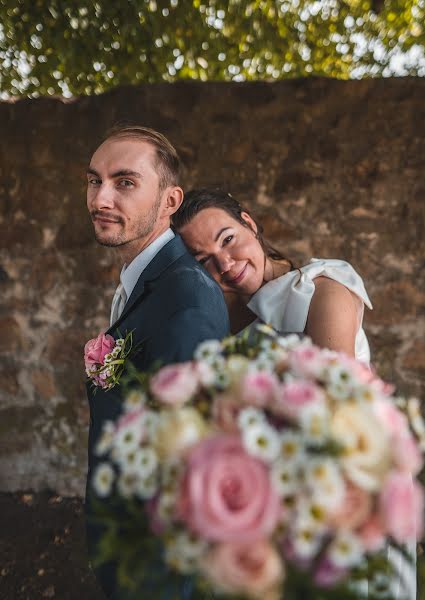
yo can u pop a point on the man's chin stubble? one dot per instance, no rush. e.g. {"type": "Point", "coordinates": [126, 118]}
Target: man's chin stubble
{"type": "Point", "coordinates": [110, 243]}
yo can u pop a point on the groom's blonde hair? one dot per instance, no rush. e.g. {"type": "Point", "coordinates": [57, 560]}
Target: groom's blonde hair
{"type": "Point", "coordinates": [167, 163]}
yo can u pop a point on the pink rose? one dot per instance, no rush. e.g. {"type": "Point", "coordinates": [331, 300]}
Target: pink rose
{"type": "Point", "coordinates": [372, 534]}
{"type": "Point", "coordinates": [130, 419]}
{"type": "Point", "coordinates": [404, 449]}
{"type": "Point", "coordinates": [255, 569]}
{"type": "Point", "coordinates": [175, 384]}
{"type": "Point", "coordinates": [307, 361]}
{"type": "Point", "coordinates": [258, 389]}
{"type": "Point", "coordinates": [96, 349]}
{"type": "Point", "coordinates": [355, 508]}
{"type": "Point", "coordinates": [227, 494]}
{"type": "Point", "coordinates": [401, 505]}
{"type": "Point", "coordinates": [294, 396]}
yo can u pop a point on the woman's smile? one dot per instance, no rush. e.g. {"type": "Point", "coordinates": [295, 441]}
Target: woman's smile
{"type": "Point", "coordinates": [238, 277]}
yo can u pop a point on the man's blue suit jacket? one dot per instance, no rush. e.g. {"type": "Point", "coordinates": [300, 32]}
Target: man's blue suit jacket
{"type": "Point", "coordinates": [174, 306]}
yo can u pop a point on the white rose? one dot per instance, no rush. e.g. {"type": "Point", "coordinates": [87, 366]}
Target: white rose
{"type": "Point", "coordinates": [366, 454]}
{"type": "Point", "coordinates": [177, 431]}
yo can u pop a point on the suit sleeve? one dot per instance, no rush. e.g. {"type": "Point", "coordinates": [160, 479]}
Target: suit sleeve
{"type": "Point", "coordinates": [177, 338]}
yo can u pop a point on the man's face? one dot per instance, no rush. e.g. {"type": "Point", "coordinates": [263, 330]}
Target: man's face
{"type": "Point", "coordinates": [123, 195]}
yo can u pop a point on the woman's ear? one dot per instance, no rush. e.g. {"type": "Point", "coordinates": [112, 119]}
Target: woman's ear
{"type": "Point", "coordinates": [249, 221]}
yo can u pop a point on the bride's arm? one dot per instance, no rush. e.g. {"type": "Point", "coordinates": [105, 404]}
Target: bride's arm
{"type": "Point", "coordinates": [332, 320]}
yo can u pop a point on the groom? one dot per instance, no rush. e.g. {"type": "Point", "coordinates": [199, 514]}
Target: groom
{"type": "Point", "coordinates": [164, 297]}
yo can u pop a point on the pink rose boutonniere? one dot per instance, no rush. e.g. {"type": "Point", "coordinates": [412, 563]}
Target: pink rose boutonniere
{"type": "Point", "coordinates": [104, 359]}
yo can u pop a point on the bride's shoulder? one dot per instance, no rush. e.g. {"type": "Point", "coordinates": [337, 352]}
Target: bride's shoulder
{"type": "Point", "coordinates": [335, 277]}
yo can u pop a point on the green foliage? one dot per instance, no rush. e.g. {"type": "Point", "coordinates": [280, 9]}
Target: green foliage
{"type": "Point", "coordinates": [88, 46]}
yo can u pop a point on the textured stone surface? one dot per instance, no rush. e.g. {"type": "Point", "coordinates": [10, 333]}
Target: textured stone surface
{"type": "Point", "coordinates": [333, 169]}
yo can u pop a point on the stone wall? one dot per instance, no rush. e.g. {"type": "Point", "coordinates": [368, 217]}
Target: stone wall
{"type": "Point", "coordinates": [333, 169]}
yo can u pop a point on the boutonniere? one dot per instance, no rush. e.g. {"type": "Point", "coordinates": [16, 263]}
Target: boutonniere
{"type": "Point", "coordinates": [104, 359]}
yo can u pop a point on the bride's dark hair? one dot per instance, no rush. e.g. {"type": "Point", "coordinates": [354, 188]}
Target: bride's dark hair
{"type": "Point", "coordinates": [197, 200]}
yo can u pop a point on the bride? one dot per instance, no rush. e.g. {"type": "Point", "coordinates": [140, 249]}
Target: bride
{"type": "Point", "coordinates": [324, 299]}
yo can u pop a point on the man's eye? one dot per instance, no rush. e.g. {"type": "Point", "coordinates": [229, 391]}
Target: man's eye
{"type": "Point", "coordinates": [126, 183]}
{"type": "Point", "coordinates": [202, 260]}
{"type": "Point", "coordinates": [94, 181]}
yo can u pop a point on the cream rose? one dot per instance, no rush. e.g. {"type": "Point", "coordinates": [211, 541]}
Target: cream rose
{"type": "Point", "coordinates": [178, 430]}
{"type": "Point", "coordinates": [252, 569]}
{"type": "Point", "coordinates": [366, 454]}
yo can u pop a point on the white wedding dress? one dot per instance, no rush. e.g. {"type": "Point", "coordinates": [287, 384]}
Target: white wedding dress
{"type": "Point", "coordinates": [283, 303]}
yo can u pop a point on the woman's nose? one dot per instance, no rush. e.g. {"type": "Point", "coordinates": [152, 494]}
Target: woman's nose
{"type": "Point", "coordinates": [224, 263]}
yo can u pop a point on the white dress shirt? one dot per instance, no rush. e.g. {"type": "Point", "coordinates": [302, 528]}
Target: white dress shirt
{"type": "Point", "coordinates": [130, 273]}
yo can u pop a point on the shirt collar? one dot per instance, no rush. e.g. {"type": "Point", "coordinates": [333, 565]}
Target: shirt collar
{"type": "Point", "coordinates": [131, 273]}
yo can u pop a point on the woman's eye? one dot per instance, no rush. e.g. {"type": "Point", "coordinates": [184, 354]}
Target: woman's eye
{"type": "Point", "coordinates": [227, 239]}
{"type": "Point", "coordinates": [203, 260]}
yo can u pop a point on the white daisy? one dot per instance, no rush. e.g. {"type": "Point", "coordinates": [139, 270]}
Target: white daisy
{"type": "Point", "coordinates": [135, 400]}
{"type": "Point", "coordinates": [150, 421]}
{"type": "Point", "coordinates": [208, 351]}
{"type": "Point", "coordinates": [312, 512]}
{"type": "Point", "coordinates": [315, 421]}
{"type": "Point", "coordinates": [250, 416]}
{"type": "Point", "coordinates": [340, 381]}
{"type": "Point", "coordinates": [292, 448]}
{"type": "Point", "coordinates": [306, 539]}
{"type": "Point", "coordinates": [205, 372]}
{"type": "Point", "coordinates": [178, 561]}
{"type": "Point", "coordinates": [128, 483]}
{"type": "Point", "coordinates": [127, 438]}
{"type": "Point", "coordinates": [285, 477]}
{"type": "Point", "coordinates": [146, 461]}
{"type": "Point", "coordinates": [289, 342]}
{"type": "Point", "coordinates": [261, 440]}
{"type": "Point", "coordinates": [146, 488]}
{"type": "Point", "coordinates": [324, 479]}
{"type": "Point", "coordinates": [365, 393]}
{"type": "Point", "coordinates": [265, 361]}
{"type": "Point", "coordinates": [222, 380]}
{"type": "Point", "coordinates": [266, 329]}
{"type": "Point", "coordinates": [103, 479]}
{"type": "Point", "coordinates": [346, 549]}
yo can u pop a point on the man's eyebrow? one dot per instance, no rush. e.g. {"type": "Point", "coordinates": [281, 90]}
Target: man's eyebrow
{"type": "Point", "coordinates": [120, 173]}
{"type": "Point", "coordinates": [126, 173]}
{"type": "Point", "coordinates": [91, 171]}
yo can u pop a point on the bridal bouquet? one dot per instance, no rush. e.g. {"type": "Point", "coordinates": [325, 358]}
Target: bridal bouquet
{"type": "Point", "coordinates": [265, 469]}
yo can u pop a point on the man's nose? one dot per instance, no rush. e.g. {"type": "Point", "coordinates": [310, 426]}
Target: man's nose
{"type": "Point", "coordinates": [104, 197]}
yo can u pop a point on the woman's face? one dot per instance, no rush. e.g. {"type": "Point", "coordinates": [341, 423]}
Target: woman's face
{"type": "Point", "coordinates": [227, 249]}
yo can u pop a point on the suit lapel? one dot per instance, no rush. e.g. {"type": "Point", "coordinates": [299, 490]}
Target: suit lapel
{"type": "Point", "coordinates": [171, 252]}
